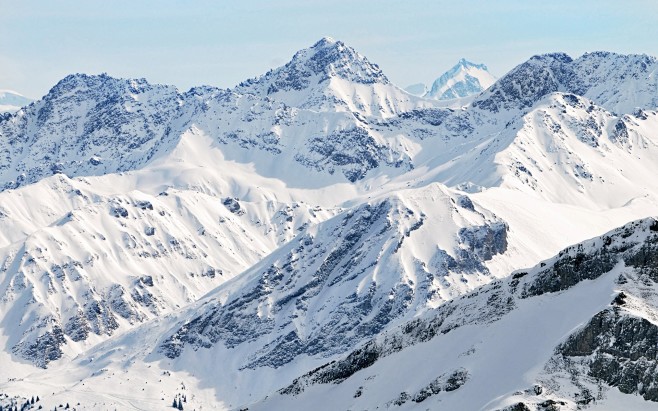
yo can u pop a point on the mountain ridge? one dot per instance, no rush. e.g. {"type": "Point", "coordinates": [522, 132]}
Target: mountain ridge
{"type": "Point", "coordinates": [147, 233]}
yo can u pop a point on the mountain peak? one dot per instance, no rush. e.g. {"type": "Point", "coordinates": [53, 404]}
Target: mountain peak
{"type": "Point", "coordinates": [333, 58]}
{"type": "Point", "coordinates": [99, 81]}
{"type": "Point", "coordinates": [324, 42]}
{"type": "Point", "coordinates": [463, 63]}
{"type": "Point", "coordinates": [463, 79]}
{"type": "Point", "coordinates": [328, 58]}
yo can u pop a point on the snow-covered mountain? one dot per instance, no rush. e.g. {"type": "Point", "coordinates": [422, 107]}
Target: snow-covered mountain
{"type": "Point", "coordinates": [219, 245]}
{"type": "Point", "coordinates": [331, 76]}
{"type": "Point", "coordinates": [11, 101]}
{"type": "Point", "coordinates": [463, 80]}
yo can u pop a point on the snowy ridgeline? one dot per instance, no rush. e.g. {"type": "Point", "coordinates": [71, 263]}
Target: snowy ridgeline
{"type": "Point", "coordinates": [313, 229]}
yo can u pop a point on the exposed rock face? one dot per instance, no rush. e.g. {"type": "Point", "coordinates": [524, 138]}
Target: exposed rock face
{"type": "Point", "coordinates": [485, 241]}
{"type": "Point", "coordinates": [529, 82]}
{"type": "Point", "coordinates": [233, 205]}
{"type": "Point", "coordinates": [322, 61]}
{"type": "Point", "coordinates": [46, 348]}
{"type": "Point", "coordinates": [590, 76]}
{"type": "Point", "coordinates": [306, 278]}
{"type": "Point", "coordinates": [86, 125]}
{"type": "Point", "coordinates": [354, 151]}
{"type": "Point", "coordinates": [576, 263]}
{"type": "Point", "coordinates": [68, 291]}
{"type": "Point", "coordinates": [619, 349]}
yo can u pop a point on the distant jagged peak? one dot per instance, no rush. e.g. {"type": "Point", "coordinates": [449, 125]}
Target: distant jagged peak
{"type": "Point", "coordinates": [465, 63]}
{"type": "Point", "coordinates": [418, 89]}
{"type": "Point", "coordinates": [84, 118]}
{"type": "Point", "coordinates": [464, 79]}
{"type": "Point", "coordinates": [328, 58]}
{"type": "Point", "coordinates": [528, 82]}
{"type": "Point", "coordinates": [326, 41]}
{"type": "Point", "coordinates": [604, 67]}
{"type": "Point", "coordinates": [11, 101]}
{"type": "Point", "coordinates": [610, 56]}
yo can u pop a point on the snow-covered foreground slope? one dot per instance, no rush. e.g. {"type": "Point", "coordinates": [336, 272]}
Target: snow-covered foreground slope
{"type": "Point", "coordinates": [567, 333]}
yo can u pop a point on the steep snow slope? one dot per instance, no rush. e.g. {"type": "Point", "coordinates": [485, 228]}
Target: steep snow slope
{"type": "Point", "coordinates": [80, 261]}
{"type": "Point", "coordinates": [564, 149]}
{"type": "Point", "coordinates": [391, 260]}
{"type": "Point", "coordinates": [349, 277]}
{"type": "Point", "coordinates": [569, 332]}
{"type": "Point", "coordinates": [463, 80]}
{"type": "Point", "coordinates": [318, 148]}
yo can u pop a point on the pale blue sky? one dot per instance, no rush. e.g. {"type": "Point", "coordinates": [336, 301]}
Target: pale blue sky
{"type": "Point", "coordinates": [221, 43]}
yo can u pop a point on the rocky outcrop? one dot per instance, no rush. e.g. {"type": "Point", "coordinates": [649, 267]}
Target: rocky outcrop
{"type": "Point", "coordinates": [619, 349]}
{"type": "Point", "coordinates": [310, 276]}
